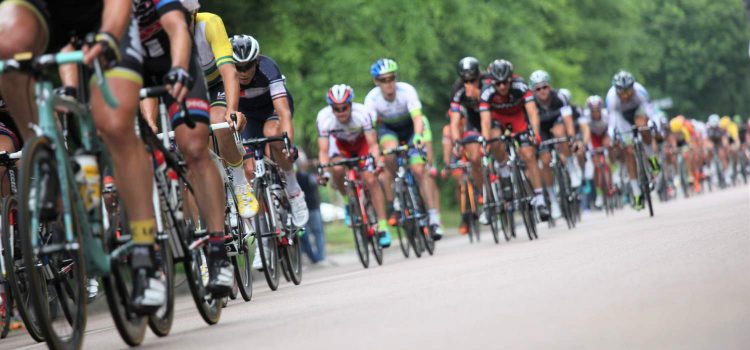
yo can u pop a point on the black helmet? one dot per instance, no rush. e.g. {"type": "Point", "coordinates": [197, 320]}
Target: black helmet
{"type": "Point", "coordinates": [623, 80]}
{"type": "Point", "coordinates": [468, 68]}
{"type": "Point", "coordinates": [501, 70]}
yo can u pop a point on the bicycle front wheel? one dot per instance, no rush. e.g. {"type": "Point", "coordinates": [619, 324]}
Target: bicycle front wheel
{"type": "Point", "coordinates": [266, 240]}
{"type": "Point", "coordinates": [17, 276]}
{"type": "Point", "coordinates": [57, 282]}
{"type": "Point", "coordinates": [239, 248]}
{"type": "Point", "coordinates": [358, 229]}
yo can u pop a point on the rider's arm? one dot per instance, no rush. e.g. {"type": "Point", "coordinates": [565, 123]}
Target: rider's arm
{"type": "Point", "coordinates": [414, 106]}
{"type": "Point", "coordinates": [281, 105]}
{"type": "Point", "coordinates": [150, 111]}
{"type": "Point", "coordinates": [372, 143]}
{"type": "Point", "coordinates": [533, 114]}
{"type": "Point", "coordinates": [455, 126]}
{"type": "Point", "coordinates": [323, 147]}
{"type": "Point", "coordinates": [116, 17]}
{"type": "Point", "coordinates": [180, 40]}
{"type": "Point", "coordinates": [221, 47]}
{"type": "Point", "coordinates": [447, 145]}
{"type": "Point", "coordinates": [567, 115]}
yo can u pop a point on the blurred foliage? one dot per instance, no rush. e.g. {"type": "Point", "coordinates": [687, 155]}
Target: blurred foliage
{"type": "Point", "coordinates": [694, 51]}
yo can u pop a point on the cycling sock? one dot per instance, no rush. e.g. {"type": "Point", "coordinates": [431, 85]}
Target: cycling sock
{"type": "Point", "coordinates": [434, 216]}
{"type": "Point", "coordinates": [551, 192]}
{"type": "Point", "coordinates": [292, 186]}
{"type": "Point", "coordinates": [383, 225]}
{"type": "Point", "coordinates": [142, 231]}
{"type": "Point", "coordinates": [538, 195]}
{"type": "Point", "coordinates": [634, 186]}
{"type": "Point", "coordinates": [216, 243]}
{"type": "Point", "coordinates": [649, 151]}
{"type": "Point", "coordinates": [238, 174]}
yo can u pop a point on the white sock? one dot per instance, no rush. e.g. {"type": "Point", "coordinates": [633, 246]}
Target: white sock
{"type": "Point", "coordinates": [551, 192]}
{"type": "Point", "coordinates": [634, 186]}
{"type": "Point", "coordinates": [292, 186]}
{"type": "Point", "coordinates": [434, 216]}
{"type": "Point", "coordinates": [648, 150]}
{"type": "Point", "coordinates": [238, 175]}
{"type": "Point", "coordinates": [505, 170]}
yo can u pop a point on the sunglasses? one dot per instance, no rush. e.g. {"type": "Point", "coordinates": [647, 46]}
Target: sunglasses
{"type": "Point", "coordinates": [387, 80]}
{"type": "Point", "coordinates": [625, 92]}
{"type": "Point", "coordinates": [471, 81]}
{"type": "Point", "coordinates": [341, 109]}
{"type": "Point", "coordinates": [542, 88]}
{"type": "Point", "coordinates": [504, 82]}
{"type": "Point", "coordinates": [246, 66]}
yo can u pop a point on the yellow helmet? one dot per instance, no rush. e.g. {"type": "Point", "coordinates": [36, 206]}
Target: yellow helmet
{"type": "Point", "coordinates": [676, 123]}
{"type": "Point", "coordinates": [725, 121]}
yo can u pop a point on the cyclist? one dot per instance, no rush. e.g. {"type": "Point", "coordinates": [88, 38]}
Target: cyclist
{"type": "Point", "coordinates": [268, 106]}
{"type": "Point", "coordinates": [508, 102]}
{"type": "Point", "coordinates": [215, 57]}
{"type": "Point", "coordinates": [628, 104]}
{"type": "Point", "coordinates": [595, 134]}
{"type": "Point", "coordinates": [39, 26]}
{"type": "Point", "coordinates": [345, 131]}
{"type": "Point", "coordinates": [169, 57]}
{"type": "Point", "coordinates": [733, 133]}
{"type": "Point", "coordinates": [10, 142]}
{"type": "Point", "coordinates": [555, 120]}
{"type": "Point", "coordinates": [464, 117]}
{"type": "Point", "coordinates": [718, 140]}
{"type": "Point", "coordinates": [451, 157]}
{"type": "Point", "coordinates": [399, 111]}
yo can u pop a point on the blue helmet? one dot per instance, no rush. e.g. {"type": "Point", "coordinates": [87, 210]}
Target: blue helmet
{"type": "Point", "coordinates": [383, 66]}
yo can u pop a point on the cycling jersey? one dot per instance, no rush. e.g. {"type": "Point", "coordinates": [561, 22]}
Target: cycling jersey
{"type": "Point", "coordinates": [8, 126]}
{"type": "Point", "coordinates": [350, 137]}
{"type": "Point", "coordinates": [597, 127]}
{"type": "Point", "coordinates": [622, 114]}
{"type": "Point", "coordinates": [157, 59]}
{"type": "Point", "coordinates": [214, 48]}
{"type": "Point", "coordinates": [256, 97]}
{"type": "Point", "coordinates": [510, 109]}
{"type": "Point", "coordinates": [715, 134]}
{"type": "Point", "coordinates": [470, 105]}
{"type": "Point", "coordinates": [551, 114]}
{"type": "Point", "coordinates": [399, 112]}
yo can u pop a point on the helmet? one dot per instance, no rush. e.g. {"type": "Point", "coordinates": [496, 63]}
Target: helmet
{"type": "Point", "coordinates": [565, 94]}
{"type": "Point", "coordinates": [623, 80]}
{"type": "Point", "coordinates": [468, 68]}
{"type": "Point", "coordinates": [594, 102]}
{"type": "Point", "coordinates": [713, 120]}
{"type": "Point", "coordinates": [340, 94]}
{"type": "Point", "coordinates": [500, 70]}
{"type": "Point", "coordinates": [244, 48]}
{"type": "Point", "coordinates": [383, 66]}
{"type": "Point", "coordinates": [737, 119]}
{"type": "Point", "coordinates": [725, 121]}
{"type": "Point", "coordinates": [676, 123]}
{"type": "Point", "coordinates": [539, 77]}
{"type": "Point", "coordinates": [191, 5]}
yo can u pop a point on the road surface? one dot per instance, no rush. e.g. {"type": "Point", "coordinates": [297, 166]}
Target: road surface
{"type": "Point", "coordinates": [680, 280]}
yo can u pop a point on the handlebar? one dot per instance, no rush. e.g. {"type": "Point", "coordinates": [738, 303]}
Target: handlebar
{"type": "Point", "coordinates": [350, 162]}
{"type": "Point", "coordinates": [554, 141]}
{"type": "Point", "coordinates": [262, 141]}
{"type": "Point", "coordinates": [27, 63]}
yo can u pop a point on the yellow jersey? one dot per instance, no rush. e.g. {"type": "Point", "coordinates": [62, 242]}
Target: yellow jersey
{"type": "Point", "coordinates": [212, 42]}
{"type": "Point", "coordinates": [730, 127]}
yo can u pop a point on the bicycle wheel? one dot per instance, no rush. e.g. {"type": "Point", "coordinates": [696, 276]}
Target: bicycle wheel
{"type": "Point", "coordinates": [293, 253]}
{"type": "Point", "coordinates": [266, 240]}
{"type": "Point", "coordinates": [118, 285]}
{"type": "Point", "coordinates": [239, 249]}
{"type": "Point", "coordinates": [643, 180]}
{"type": "Point", "coordinates": [523, 196]}
{"type": "Point", "coordinates": [372, 227]}
{"type": "Point", "coordinates": [358, 229]}
{"type": "Point", "coordinates": [57, 283]}
{"type": "Point", "coordinates": [411, 224]}
{"type": "Point", "coordinates": [473, 211]}
{"type": "Point", "coordinates": [401, 231]}
{"type": "Point", "coordinates": [161, 322]}
{"type": "Point", "coordinates": [426, 230]}
{"type": "Point", "coordinates": [16, 272]}
{"type": "Point", "coordinates": [490, 209]}
{"type": "Point", "coordinates": [563, 194]}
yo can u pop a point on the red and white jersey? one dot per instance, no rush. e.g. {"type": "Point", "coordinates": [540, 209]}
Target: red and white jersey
{"type": "Point", "coordinates": [351, 132]}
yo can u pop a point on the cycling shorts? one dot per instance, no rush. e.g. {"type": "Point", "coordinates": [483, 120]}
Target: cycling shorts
{"type": "Point", "coordinates": [358, 148]}
{"type": "Point", "coordinates": [523, 138]}
{"type": "Point", "coordinates": [8, 128]}
{"type": "Point", "coordinates": [597, 141]}
{"type": "Point", "coordinates": [545, 129]}
{"type": "Point", "coordinates": [403, 135]}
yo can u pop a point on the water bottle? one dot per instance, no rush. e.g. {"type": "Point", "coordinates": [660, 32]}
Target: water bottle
{"type": "Point", "coordinates": [88, 179]}
{"type": "Point", "coordinates": [174, 187]}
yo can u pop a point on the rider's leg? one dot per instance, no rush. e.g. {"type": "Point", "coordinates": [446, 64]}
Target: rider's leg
{"type": "Point", "coordinates": [528, 155]}
{"type": "Point", "coordinates": [475, 158]}
{"type": "Point", "coordinates": [388, 142]}
{"type": "Point", "coordinates": [7, 145]}
{"type": "Point", "coordinates": [22, 30]}
{"type": "Point", "coordinates": [300, 214]}
{"type": "Point", "coordinates": [629, 156]}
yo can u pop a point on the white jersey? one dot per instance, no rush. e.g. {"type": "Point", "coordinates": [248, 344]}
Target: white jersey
{"type": "Point", "coordinates": [394, 113]}
{"type": "Point", "coordinates": [597, 127]}
{"type": "Point", "coordinates": [700, 128]}
{"type": "Point", "coordinates": [351, 132]}
{"type": "Point", "coordinates": [621, 115]}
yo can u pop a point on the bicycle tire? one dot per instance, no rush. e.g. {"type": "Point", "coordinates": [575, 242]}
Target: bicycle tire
{"type": "Point", "coordinates": [412, 226]}
{"type": "Point", "coordinates": [643, 178]}
{"type": "Point", "coordinates": [357, 226]}
{"type": "Point", "coordinates": [6, 309]}
{"type": "Point", "coordinates": [15, 269]}
{"type": "Point", "coordinates": [523, 202]}
{"type": "Point", "coordinates": [474, 212]}
{"type": "Point", "coordinates": [118, 290]}
{"type": "Point", "coordinates": [426, 233]}
{"type": "Point", "coordinates": [39, 161]}
{"type": "Point", "coordinates": [293, 258]}
{"type": "Point", "coordinates": [263, 227]}
{"type": "Point", "coordinates": [160, 323]}
{"type": "Point", "coordinates": [564, 195]}
{"type": "Point", "coordinates": [377, 250]}
{"type": "Point", "coordinates": [241, 258]}
{"type": "Point", "coordinates": [401, 230]}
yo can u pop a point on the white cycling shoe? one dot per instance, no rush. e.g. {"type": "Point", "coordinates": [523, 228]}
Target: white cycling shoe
{"type": "Point", "coordinates": [300, 215]}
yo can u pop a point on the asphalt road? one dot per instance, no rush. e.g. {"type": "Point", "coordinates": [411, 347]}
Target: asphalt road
{"type": "Point", "coordinates": [680, 280]}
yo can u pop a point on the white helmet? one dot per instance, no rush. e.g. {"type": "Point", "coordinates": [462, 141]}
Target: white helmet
{"type": "Point", "coordinates": [244, 48]}
{"type": "Point", "coordinates": [713, 120]}
{"type": "Point", "coordinates": [191, 5]}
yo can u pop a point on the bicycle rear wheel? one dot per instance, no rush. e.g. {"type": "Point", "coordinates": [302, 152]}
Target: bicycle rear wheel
{"type": "Point", "coordinates": [372, 227]}
{"type": "Point", "coordinates": [238, 249]}
{"type": "Point", "coordinates": [57, 281]}
{"type": "Point", "coordinates": [118, 285]}
{"type": "Point", "coordinates": [16, 273]}
{"type": "Point", "coordinates": [266, 240]}
{"type": "Point", "coordinates": [355, 221]}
